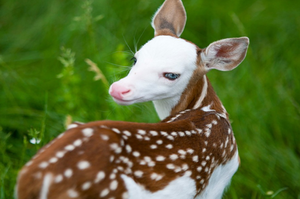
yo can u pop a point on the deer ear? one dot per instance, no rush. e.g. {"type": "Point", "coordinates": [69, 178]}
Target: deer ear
{"type": "Point", "coordinates": [169, 18]}
{"type": "Point", "coordinates": [225, 54]}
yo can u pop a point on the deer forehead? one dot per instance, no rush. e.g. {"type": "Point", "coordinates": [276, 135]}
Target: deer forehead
{"type": "Point", "coordinates": [167, 54]}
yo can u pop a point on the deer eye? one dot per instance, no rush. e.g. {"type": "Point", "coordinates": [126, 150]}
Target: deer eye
{"type": "Point", "coordinates": [171, 76]}
{"type": "Point", "coordinates": [134, 60]}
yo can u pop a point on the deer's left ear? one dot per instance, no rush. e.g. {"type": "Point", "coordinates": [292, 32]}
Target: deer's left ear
{"type": "Point", "coordinates": [170, 18]}
{"type": "Point", "coordinates": [225, 54]}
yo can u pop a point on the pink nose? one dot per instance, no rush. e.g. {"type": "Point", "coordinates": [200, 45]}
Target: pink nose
{"type": "Point", "coordinates": [118, 91]}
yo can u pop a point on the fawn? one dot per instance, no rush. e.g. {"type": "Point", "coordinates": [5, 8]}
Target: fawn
{"type": "Point", "coordinates": [191, 153]}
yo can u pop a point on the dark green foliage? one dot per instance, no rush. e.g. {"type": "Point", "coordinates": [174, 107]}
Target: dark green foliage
{"type": "Point", "coordinates": [46, 79]}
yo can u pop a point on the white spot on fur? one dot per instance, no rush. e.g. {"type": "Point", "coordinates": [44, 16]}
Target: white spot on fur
{"type": "Point", "coordinates": [113, 185]}
{"type": "Point", "coordinates": [86, 186]}
{"type": "Point", "coordinates": [208, 125]}
{"type": "Point", "coordinates": [77, 142]}
{"type": "Point", "coordinates": [88, 132]}
{"type": "Point", "coordinates": [104, 193]}
{"type": "Point", "coordinates": [138, 136]}
{"type": "Point", "coordinates": [170, 137]}
{"type": "Point", "coordinates": [70, 147]}
{"type": "Point", "coordinates": [174, 134]}
{"type": "Point", "coordinates": [43, 165]}
{"type": "Point", "coordinates": [125, 195]}
{"type": "Point", "coordinates": [147, 159]}
{"type": "Point", "coordinates": [199, 169]}
{"type": "Point", "coordinates": [159, 141]}
{"type": "Point", "coordinates": [114, 146]}
{"type": "Point", "coordinates": [104, 137]}
{"type": "Point", "coordinates": [182, 152]}
{"type": "Point", "coordinates": [188, 173]}
{"type": "Point", "coordinates": [181, 134]}
{"type": "Point", "coordinates": [156, 177]}
{"type": "Point", "coordinates": [28, 163]}
{"type": "Point", "coordinates": [169, 146]}
{"type": "Point", "coordinates": [60, 154]}
{"type": "Point", "coordinates": [188, 133]}
{"type": "Point", "coordinates": [71, 126]}
{"type": "Point", "coordinates": [100, 176]}
{"type": "Point", "coordinates": [207, 132]}
{"type": "Point", "coordinates": [68, 173]}
{"type": "Point", "coordinates": [151, 164]}
{"type": "Point", "coordinates": [154, 133]}
{"type": "Point", "coordinates": [127, 133]}
{"type": "Point", "coordinates": [207, 108]}
{"type": "Point", "coordinates": [173, 156]}
{"type": "Point", "coordinates": [185, 167]}
{"type": "Point", "coordinates": [116, 130]}
{"type": "Point", "coordinates": [72, 193]}
{"type": "Point", "coordinates": [58, 179]}
{"type": "Point", "coordinates": [128, 148]}
{"type": "Point", "coordinates": [83, 165]}
{"type": "Point", "coordinates": [195, 158]}
{"type": "Point", "coordinates": [170, 166]}
{"type": "Point", "coordinates": [142, 132]}
{"type": "Point", "coordinates": [112, 176]}
{"type": "Point", "coordinates": [138, 174]}
{"type": "Point", "coordinates": [53, 160]}
{"type": "Point", "coordinates": [136, 153]}
{"type": "Point", "coordinates": [164, 133]}
{"type": "Point", "coordinates": [142, 162]}
{"type": "Point", "coordinates": [190, 151]}
{"type": "Point", "coordinates": [160, 158]}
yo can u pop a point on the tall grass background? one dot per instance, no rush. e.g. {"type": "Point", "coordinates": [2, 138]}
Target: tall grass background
{"type": "Point", "coordinates": [58, 58]}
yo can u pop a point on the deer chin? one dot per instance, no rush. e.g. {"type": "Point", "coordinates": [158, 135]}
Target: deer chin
{"type": "Point", "coordinates": [126, 102]}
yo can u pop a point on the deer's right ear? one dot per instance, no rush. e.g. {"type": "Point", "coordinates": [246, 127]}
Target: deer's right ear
{"type": "Point", "coordinates": [170, 18]}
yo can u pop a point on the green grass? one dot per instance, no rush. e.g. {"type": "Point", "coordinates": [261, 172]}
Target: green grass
{"type": "Point", "coordinates": [45, 79]}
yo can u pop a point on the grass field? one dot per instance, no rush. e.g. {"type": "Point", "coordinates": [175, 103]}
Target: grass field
{"type": "Point", "coordinates": [48, 52]}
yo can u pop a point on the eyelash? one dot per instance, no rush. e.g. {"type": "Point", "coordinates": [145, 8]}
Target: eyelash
{"type": "Point", "coordinates": [134, 60]}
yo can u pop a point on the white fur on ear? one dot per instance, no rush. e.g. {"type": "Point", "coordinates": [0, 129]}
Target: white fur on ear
{"type": "Point", "coordinates": [169, 18]}
{"type": "Point", "coordinates": [225, 54]}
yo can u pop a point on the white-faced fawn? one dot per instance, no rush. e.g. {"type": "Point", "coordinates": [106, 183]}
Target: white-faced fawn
{"type": "Point", "coordinates": [191, 153]}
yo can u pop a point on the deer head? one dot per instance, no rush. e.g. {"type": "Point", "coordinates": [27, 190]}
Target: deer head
{"type": "Point", "coordinates": [164, 66]}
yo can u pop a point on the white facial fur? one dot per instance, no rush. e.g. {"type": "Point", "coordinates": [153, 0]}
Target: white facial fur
{"type": "Point", "coordinates": [145, 81]}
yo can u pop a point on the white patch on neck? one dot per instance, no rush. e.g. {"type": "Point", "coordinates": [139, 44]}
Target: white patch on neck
{"type": "Point", "coordinates": [207, 108]}
{"type": "Point", "coordinates": [164, 107]}
{"type": "Point", "coordinates": [181, 188]}
{"type": "Point", "coordinates": [220, 179]}
{"type": "Point", "coordinates": [46, 185]}
{"type": "Point", "coordinates": [203, 93]}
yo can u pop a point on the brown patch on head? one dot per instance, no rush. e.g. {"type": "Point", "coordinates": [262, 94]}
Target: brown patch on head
{"type": "Point", "coordinates": [194, 88]}
{"type": "Point", "coordinates": [165, 32]}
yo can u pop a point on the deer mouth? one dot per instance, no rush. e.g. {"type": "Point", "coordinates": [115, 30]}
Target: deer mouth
{"type": "Point", "coordinates": [124, 101]}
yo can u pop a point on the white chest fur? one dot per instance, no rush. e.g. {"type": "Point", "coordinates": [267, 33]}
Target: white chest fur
{"type": "Point", "coordinates": [184, 187]}
{"type": "Point", "coordinates": [181, 188]}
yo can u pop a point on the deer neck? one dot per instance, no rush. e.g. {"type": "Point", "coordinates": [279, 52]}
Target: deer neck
{"type": "Point", "coordinates": [198, 95]}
